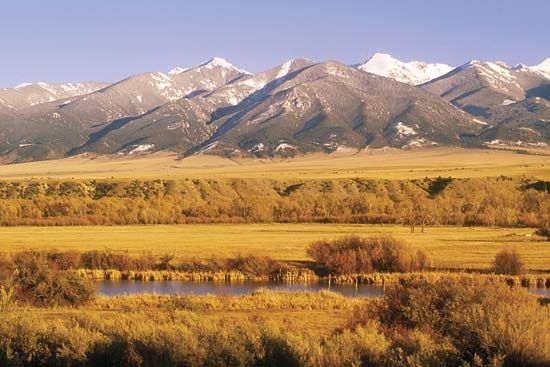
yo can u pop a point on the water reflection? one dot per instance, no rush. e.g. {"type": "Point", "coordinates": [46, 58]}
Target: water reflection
{"type": "Point", "coordinates": [124, 287]}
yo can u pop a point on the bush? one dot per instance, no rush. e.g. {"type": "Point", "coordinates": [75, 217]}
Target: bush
{"type": "Point", "coordinates": [65, 260]}
{"type": "Point", "coordinates": [117, 260]}
{"type": "Point", "coordinates": [349, 255]}
{"type": "Point", "coordinates": [39, 281]}
{"type": "Point", "coordinates": [543, 232]}
{"type": "Point", "coordinates": [255, 265]}
{"type": "Point", "coordinates": [508, 262]}
{"type": "Point", "coordinates": [482, 320]}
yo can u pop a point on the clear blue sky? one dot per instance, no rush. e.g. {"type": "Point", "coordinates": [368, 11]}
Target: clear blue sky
{"type": "Point", "coordinates": [73, 40]}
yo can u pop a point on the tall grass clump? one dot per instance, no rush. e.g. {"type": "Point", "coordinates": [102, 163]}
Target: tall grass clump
{"type": "Point", "coordinates": [352, 255]}
{"type": "Point", "coordinates": [508, 262]}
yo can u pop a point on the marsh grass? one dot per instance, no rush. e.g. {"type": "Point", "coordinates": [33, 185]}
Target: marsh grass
{"type": "Point", "coordinates": [446, 323]}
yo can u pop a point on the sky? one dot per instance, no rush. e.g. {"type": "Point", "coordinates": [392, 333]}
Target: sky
{"type": "Point", "coordinates": [107, 40]}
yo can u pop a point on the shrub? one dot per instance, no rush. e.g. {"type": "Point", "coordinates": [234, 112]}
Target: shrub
{"type": "Point", "coordinates": [39, 281]}
{"type": "Point", "coordinates": [278, 350]}
{"type": "Point", "coordinates": [65, 260]}
{"type": "Point", "coordinates": [352, 254]}
{"type": "Point", "coordinates": [508, 262]}
{"type": "Point", "coordinates": [118, 260]}
{"type": "Point", "coordinates": [422, 349]}
{"type": "Point", "coordinates": [482, 320]}
{"type": "Point", "coordinates": [255, 265]}
{"type": "Point", "coordinates": [543, 232]}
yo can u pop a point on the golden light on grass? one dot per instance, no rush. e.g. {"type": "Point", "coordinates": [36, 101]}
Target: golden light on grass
{"type": "Point", "coordinates": [390, 164]}
{"type": "Point", "coordinates": [453, 247]}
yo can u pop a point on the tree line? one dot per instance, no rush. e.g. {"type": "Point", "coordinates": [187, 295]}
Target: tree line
{"type": "Point", "coordinates": [499, 201]}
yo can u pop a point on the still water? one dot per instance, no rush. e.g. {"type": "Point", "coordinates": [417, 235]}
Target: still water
{"type": "Point", "coordinates": [125, 287]}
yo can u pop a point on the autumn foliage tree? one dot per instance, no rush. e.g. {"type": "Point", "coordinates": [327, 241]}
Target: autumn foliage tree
{"type": "Point", "coordinates": [351, 255]}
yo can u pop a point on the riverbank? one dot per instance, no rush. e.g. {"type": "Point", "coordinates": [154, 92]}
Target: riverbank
{"type": "Point", "coordinates": [308, 276]}
{"type": "Point", "coordinates": [286, 329]}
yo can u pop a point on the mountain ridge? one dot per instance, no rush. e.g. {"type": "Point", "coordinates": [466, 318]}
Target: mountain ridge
{"type": "Point", "coordinates": [299, 106]}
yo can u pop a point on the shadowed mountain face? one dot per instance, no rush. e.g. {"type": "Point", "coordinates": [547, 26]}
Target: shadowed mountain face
{"type": "Point", "coordinates": [297, 107]}
{"type": "Point", "coordinates": [514, 101]}
{"type": "Point", "coordinates": [525, 123]}
{"type": "Point", "coordinates": [57, 128]}
{"type": "Point", "coordinates": [477, 86]}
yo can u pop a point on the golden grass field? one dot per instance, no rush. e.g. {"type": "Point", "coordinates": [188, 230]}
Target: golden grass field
{"type": "Point", "coordinates": [446, 246]}
{"type": "Point", "coordinates": [322, 313]}
{"type": "Point", "coordinates": [453, 247]}
{"type": "Point", "coordinates": [390, 164]}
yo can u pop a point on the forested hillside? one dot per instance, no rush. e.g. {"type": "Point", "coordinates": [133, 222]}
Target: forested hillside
{"type": "Point", "coordinates": [501, 201]}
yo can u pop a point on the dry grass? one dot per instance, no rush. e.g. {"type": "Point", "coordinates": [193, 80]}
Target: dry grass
{"type": "Point", "coordinates": [390, 164]}
{"type": "Point", "coordinates": [457, 247]}
{"type": "Point", "coordinates": [321, 312]}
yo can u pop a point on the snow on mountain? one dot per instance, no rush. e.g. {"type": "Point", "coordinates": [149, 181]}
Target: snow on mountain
{"type": "Point", "coordinates": [210, 64]}
{"type": "Point", "coordinates": [218, 61]}
{"type": "Point", "coordinates": [414, 72]}
{"type": "Point", "coordinates": [235, 92]}
{"type": "Point", "coordinates": [478, 85]}
{"type": "Point", "coordinates": [285, 68]}
{"type": "Point", "coordinates": [498, 74]}
{"type": "Point", "coordinates": [177, 70]}
{"type": "Point", "coordinates": [30, 94]}
{"type": "Point", "coordinates": [22, 85]}
{"type": "Point", "coordinates": [543, 68]}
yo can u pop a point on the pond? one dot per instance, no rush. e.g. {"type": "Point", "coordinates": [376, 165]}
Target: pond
{"type": "Point", "coordinates": [543, 292]}
{"type": "Point", "coordinates": [126, 287]}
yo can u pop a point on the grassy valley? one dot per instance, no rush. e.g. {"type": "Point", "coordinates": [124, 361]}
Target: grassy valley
{"type": "Point", "coordinates": [431, 226]}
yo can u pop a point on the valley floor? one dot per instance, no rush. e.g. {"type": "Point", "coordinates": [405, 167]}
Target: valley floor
{"type": "Point", "coordinates": [447, 247]}
{"type": "Point", "coordinates": [382, 164]}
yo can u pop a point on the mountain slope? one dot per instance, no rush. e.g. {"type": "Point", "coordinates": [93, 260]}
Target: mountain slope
{"type": "Point", "coordinates": [543, 68]}
{"type": "Point", "coordinates": [26, 95]}
{"type": "Point", "coordinates": [414, 72]}
{"type": "Point", "coordinates": [53, 129]}
{"type": "Point", "coordinates": [297, 107]}
{"type": "Point", "coordinates": [512, 100]}
{"type": "Point", "coordinates": [185, 123]}
{"type": "Point", "coordinates": [477, 86]}
{"type": "Point", "coordinates": [525, 123]}
{"type": "Point", "coordinates": [329, 106]}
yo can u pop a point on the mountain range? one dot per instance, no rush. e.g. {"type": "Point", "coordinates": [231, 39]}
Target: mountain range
{"type": "Point", "coordinates": [294, 108]}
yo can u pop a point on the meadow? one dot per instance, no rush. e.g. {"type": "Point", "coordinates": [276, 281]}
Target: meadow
{"type": "Point", "coordinates": [375, 164]}
{"type": "Point", "coordinates": [447, 247]}
{"type": "Point", "coordinates": [270, 212]}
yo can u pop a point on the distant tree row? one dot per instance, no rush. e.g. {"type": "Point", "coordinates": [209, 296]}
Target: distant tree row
{"type": "Point", "coordinates": [441, 201]}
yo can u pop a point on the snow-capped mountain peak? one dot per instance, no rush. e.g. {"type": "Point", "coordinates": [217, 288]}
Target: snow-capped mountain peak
{"type": "Point", "coordinates": [177, 70]}
{"type": "Point", "coordinates": [210, 64]}
{"type": "Point", "coordinates": [413, 72]}
{"type": "Point", "coordinates": [22, 85]}
{"type": "Point", "coordinates": [220, 62]}
{"type": "Point", "coordinates": [543, 68]}
{"type": "Point", "coordinates": [520, 67]}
